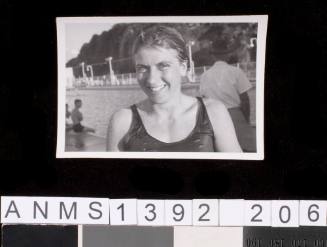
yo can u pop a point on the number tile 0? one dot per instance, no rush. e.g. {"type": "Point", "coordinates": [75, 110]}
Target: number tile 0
{"type": "Point", "coordinates": [150, 212]}
{"type": "Point", "coordinates": [178, 212]}
{"type": "Point", "coordinates": [257, 213]}
{"type": "Point", "coordinates": [123, 211]}
{"type": "Point", "coordinates": [205, 212]}
{"type": "Point", "coordinates": [313, 213]}
{"type": "Point", "coordinates": [285, 213]}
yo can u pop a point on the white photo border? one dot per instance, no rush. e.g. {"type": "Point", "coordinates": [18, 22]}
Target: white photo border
{"type": "Point", "coordinates": [261, 20]}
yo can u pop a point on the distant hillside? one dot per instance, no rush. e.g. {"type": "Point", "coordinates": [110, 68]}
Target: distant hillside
{"type": "Point", "coordinates": [212, 41]}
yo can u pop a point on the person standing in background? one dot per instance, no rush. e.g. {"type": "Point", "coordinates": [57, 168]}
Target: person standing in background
{"type": "Point", "coordinates": [230, 85]}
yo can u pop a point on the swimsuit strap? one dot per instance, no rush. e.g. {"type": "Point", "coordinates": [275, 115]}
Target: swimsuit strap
{"type": "Point", "coordinates": [203, 119]}
{"type": "Point", "coordinates": [136, 125]}
{"type": "Point", "coordinates": [136, 115]}
{"type": "Point", "coordinates": [201, 108]}
{"type": "Point", "coordinates": [201, 112]}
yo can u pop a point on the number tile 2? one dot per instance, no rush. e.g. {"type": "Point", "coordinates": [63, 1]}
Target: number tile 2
{"type": "Point", "coordinates": [257, 213]}
{"type": "Point", "coordinates": [150, 212]}
{"type": "Point", "coordinates": [123, 211]}
{"type": "Point", "coordinates": [178, 212]}
{"type": "Point", "coordinates": [205, 212]}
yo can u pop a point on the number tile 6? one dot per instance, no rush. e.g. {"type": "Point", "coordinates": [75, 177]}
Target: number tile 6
{"type": "Point", "coordinates": [313, 213]}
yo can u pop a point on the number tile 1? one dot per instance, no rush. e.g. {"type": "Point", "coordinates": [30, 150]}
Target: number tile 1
{"type": "Point", "coordinates": [313, 213]}
{"type": "Point", "coordinates": [150, 212]}
{"type": "Point", "coordinates": [205, 212]}
{"type": "Point", "coordinates": [123, 211]}
{"type": "Point", "coordinates": [257, 213]}
{"type": "Point", "coordinates": [284, 213]}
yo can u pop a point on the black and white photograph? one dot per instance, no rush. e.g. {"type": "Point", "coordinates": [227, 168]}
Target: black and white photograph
{"type": "Point", "coordinates": [161, 87]}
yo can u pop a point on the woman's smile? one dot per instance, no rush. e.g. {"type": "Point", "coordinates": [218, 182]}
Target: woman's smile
{"type": "Point", "coordinates": [157, 89]}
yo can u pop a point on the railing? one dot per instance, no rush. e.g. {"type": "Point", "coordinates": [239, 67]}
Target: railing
{"type": "Point", "coordinates": [130, 78]}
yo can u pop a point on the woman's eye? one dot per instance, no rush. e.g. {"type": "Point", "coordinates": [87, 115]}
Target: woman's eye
{"type": "Point", "coordinates": [140, 70]}
{"type": "Point", "coordinates": [163, 66]}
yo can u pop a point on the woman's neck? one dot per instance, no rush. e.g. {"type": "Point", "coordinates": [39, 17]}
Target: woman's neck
{"type": "Point", "coordinates": [170, 108]}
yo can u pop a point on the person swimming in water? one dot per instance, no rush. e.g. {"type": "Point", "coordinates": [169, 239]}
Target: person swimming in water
{"type": "Point", "coordinates": [77, 118]}
{"type": "Point", "coordinates": [168, 120]}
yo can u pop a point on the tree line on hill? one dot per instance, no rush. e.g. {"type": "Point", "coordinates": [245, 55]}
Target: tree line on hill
{"type": "Point", "coordinates": [212, 42]}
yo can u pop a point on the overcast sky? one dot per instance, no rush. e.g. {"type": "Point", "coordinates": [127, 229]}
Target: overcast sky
{"type": "Point", "coordinates": [79, 33]}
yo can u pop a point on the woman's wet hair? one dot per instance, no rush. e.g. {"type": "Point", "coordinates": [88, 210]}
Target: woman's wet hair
{"type": "Point", "coordinates": [164, 37]}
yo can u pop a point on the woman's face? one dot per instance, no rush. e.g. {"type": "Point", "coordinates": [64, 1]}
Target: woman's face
{"type": "Point", "coordinates": [159, 73]}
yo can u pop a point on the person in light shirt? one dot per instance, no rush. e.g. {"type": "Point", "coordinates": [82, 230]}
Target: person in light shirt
{"type": "Point", "coordinates": [168, 120]}
{"type": "Point", "coordinates": [230, 85]}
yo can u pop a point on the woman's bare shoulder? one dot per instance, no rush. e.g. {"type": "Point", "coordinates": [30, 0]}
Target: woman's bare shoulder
{"type": "Point", "coordinates": [124, 115]}
{"type": "Point", "coordinates": [119, 125]}
{"type": "Point", "coordinates": [121, 117]}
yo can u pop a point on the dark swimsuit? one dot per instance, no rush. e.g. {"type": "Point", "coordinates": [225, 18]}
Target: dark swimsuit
{"type": "Point", "coordinates": [78, 128]}
{"type": "Point", "coordinates": [201, 138]}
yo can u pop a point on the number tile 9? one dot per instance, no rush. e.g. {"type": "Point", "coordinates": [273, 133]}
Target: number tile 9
{"type": "Point", "coordinates": [178, 212]}
{"type": "Point", "coordinates": [285, 213]}
{"type": "Point", "coordinates": [205, 212]}
{"type": "Point", "coordinates": [150, 212]}
{"type": "Point", "coordinates": [257, 213]}
{"type": "Point", "coordinates": [313, 213]}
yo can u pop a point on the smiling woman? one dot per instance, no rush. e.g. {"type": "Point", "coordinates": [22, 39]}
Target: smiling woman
{"type": "Point", "coordinates": [168, 120]}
